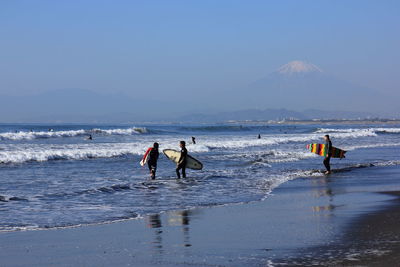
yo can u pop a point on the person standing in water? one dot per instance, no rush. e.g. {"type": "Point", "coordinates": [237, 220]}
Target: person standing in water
{"type": "Point", "coordinates": [193, 140]}
{"type": "Point", "coordinates": [152, 162]}
{"type": "Point", "coordinates": [182, 160]}
{"type": "Point", "coordinates": [259, 136]}
{"type": "Point", "coordinates": [328, 148]}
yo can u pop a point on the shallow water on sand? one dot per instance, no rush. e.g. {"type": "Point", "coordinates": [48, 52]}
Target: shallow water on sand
{"type": "Point", "coordinates": [52, 176]}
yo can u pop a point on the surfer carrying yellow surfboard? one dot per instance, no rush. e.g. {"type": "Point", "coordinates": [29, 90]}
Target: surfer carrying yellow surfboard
{"type": "Point", "coordinates": [182, 160]}
{"type": "Point", "coordinates": [328, 148]}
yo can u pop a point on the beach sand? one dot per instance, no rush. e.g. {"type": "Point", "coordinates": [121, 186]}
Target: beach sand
{"type": "Point", "coordinates": [348, 218]}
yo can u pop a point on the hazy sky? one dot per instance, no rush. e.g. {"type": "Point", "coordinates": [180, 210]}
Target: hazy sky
{"type": "Point", "coordinates": [171, 47]}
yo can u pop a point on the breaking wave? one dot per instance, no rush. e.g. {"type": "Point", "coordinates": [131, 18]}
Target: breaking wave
{"type": "Point", "coordinates": [69, 133]}
{"type": "Point", "coordinates": [41, 153]}
{"type": "Point", "coordinates": [282, 139]}
{"type": "Point", "coordinates": [355, 130]}
{"type": "Point", "coordinates": [68, 152]}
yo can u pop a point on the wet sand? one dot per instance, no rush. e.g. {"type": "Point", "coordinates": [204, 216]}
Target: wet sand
{"type": "Point", "coordinates": [347, 218]}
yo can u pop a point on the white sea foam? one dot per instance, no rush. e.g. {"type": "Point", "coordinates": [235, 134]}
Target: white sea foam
{"type": "Point", "coordinates": [273, 182]}
{"type": "Point", "coordinates": [282, 139]}
{"type": "Point", "coordinates": [34, 152]}
{"type": "Point", "coordinates": [388, 163]}
{"type": "Point", "coordinates": [347, 148]}
{"type": "Point", "coordinates": [332, 130]}
{"type": "Point", "coordinates": [71, 133]}
{"type": "Point", "coordinates": [285, 156]}
{"type": "Point", "coordinates": [42, 153]}
{"type": "Point", "coordinates": [355, 130]}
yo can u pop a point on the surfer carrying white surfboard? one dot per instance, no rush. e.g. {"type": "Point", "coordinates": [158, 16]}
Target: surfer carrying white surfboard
{"type": "Point", "coordinates": [182, 160]}
{"type": "Point", "coordinates": [328, 148]}
{"type": "Point", "coordinates": [152, 162]}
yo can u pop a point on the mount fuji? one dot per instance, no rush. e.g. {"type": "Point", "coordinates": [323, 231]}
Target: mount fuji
{"type": "Point", "coordinates": [297, 67]}
{"type": "Point", "coordinates": [301, 85]}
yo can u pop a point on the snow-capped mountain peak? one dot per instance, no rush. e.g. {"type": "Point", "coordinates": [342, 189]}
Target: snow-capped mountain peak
{"type": "Point", "coordinates": [298, 67]}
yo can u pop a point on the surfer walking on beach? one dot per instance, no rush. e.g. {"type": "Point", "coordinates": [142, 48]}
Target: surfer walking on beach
{"type": "Point", "coordinates": [152, 162]}
{"type": "Point", "coordinates": [182, 160]}
{"type": "Point", "coordinates": [328, 148]}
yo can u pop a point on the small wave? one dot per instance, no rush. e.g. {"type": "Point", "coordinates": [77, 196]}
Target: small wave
{"type": "Point", "coordinates": [104, 189]}
{"type": "Point", "coordinates": [355, 130]}
{"type": "Point", "coordinates": [129, 131]}
{"type": "Point", "coordinates": [15, 136]}
{"type": "Point", "coordinates": [388, 130]}
{"type": "Point", "coordinates": [332, 130]}
{"type": "Point", "coordinates": [276, 156]}
{"type": "Point", "coordinates": [281, 139]}
{"type": "Point", "coordinates": [348, 148]}
{"type": "Point", "coordinates": [217, 128]}
{"type": "Point", "coordinates": [7, 199]}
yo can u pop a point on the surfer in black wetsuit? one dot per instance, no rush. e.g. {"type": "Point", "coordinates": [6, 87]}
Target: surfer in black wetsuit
{"type": "Point", "coordinates": [182, 160]}
{"type": "Point", "coordinates": [193, 140]}
{"type": "Point", "coordinates": [328, 148]}
{"type": "Point", "coordinates": [152, 162]}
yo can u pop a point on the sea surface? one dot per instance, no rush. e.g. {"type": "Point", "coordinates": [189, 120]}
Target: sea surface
{"type": "Point", "coordinates": [52, 176]}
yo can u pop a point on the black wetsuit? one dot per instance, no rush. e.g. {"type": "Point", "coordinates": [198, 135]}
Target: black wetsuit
{"type": "Point", "coordinates": [328, 147]}
{"type": "Point", "coordinates": [152, 162]}
{"type": "Point", "coordinates": [182, 163]}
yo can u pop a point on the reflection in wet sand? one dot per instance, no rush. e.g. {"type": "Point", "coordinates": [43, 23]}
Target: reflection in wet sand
{"type": "Point", "coordinates": [323, 208]}
{"type": "Point", "coordinates": [179, 219]}
{"type": "Point", "coordinates": [323, 190]}
{"type": "Point", "coordinates": [155, 222]}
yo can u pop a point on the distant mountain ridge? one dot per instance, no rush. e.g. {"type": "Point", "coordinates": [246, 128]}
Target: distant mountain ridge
{"type": "Point", "coordinates": [273, 114]}
{"type": "Point", "coordinates": [295, 86]}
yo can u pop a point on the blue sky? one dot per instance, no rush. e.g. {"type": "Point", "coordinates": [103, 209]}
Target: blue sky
{"type": "Point", "coordinates": [174, 47]}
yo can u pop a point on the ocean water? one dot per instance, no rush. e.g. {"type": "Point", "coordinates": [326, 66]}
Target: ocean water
{"type": "Point", "coordinates": [52, 176]}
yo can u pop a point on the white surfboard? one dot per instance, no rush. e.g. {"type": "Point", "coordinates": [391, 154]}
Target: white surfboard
{"type": "Point", "coordinates": [191, 163]}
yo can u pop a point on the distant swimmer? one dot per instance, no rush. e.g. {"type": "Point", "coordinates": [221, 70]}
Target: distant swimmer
{"type": "Point", "coordinates": [259, 136]}
{"type": "Point", "coordinates": [193, 140]}
{"type": "Point", "coordinates": [51, 130]}
{"type": "Point", "coordinates": [90, 137]}
{"type": "Point", "coordinates": [182, 160]}
{"type": "Point", "coordinates": [328, 147]}
{"type": "Point", "coordinates": [152, 162]}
